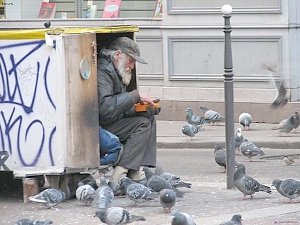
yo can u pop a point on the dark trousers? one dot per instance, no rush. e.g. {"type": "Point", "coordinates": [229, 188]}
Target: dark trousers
{"type": "Point", "coordinates": [138, 136]}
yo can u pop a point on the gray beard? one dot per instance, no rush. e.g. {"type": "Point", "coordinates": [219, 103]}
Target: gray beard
{"type": "Point", "coordinates": [126, 75]}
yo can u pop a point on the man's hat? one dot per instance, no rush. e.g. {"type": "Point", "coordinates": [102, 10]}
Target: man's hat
{"type": "Point", "coordinates": [127, 46]}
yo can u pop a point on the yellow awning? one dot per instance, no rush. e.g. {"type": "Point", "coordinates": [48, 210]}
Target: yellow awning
{"type": "Point", "coordinates": [40, 33]}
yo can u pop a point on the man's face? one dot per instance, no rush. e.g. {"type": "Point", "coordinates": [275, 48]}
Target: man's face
{"type": "Point", "coordinates": [125, 66]}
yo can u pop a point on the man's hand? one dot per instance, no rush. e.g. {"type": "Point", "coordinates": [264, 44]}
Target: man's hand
{"type": "Point", "coordinates": [146, 98]}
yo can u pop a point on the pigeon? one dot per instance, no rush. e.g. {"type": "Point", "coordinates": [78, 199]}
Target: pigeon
{"type": "Point", "coordinates": [245, 119]}
{"type": "Point", "coordinates": [33, 222]}
{"type": "Point", "coordinates": [174, 180]}
{"type": "Point", "coordinates": [281, 96]}
{"type": "Point", "coordinates": [104, 194]}
{"type": "Point", "coordinates": [246, 184]}
{"type": "Point", "coordinates": [190, 130]}
{"type": "Point", "coordinates": [157, 183]}
{"type": "Point", "coordinates": [238, 138]}
{"type": "Point", "coordinates": [288, 160]}
{"type": "Point", "coordinates": [288, 188]}
{"type": "Point", "coordinates": [211, 116]}
{"type": "Point", "coordinates": [86, 194]}
{"type": "Point", "coordinates": [235, 220]}
{"type": "Point", "coordinates": [167, 199]}
{"type": "Point", "coordinates": [249, 149]}
{"type": "Point", "coordinates": [289, 124]}
{"type": "Point", "coordinates": [50, 197]}
{"type": "Point", "coordinates": [193, 119]}
{"type": "Point", "coordinates": [135, 191]}
{"type": "Point", "coordinates": [90, 180]}
{"type": "Point", "coordinates": [117, 215]}
{"type": "Point", "coordinates": [220, 156]}
{"type": "Point", "coordinates": [181, 218]}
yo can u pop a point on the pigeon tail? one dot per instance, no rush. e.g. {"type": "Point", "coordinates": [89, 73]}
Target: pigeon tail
{"type": "Point", "coordinates": [136, 218]}
{"type": "Point", "coordinates": [265, 188]}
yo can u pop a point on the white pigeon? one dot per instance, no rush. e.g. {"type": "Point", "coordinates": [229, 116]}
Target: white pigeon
{"type": "Point", "coordinates": [86, 194]}
{"type": "Point", "coordinates": [117, 215]}
{"type": "Point", "coordinates": [245, 119]}
{"type": "Point", "coordinates": [211, 116]}
{"type": "Point", "coordinates": [288, 160]}
{"type": "Point", "coordinates": [181, 218]}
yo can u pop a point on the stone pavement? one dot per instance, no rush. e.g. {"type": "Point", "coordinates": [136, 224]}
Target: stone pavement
{"type": "Point", "coordinates": [169, 135]}
{"type": "Point", "coordinates": [208, 201]}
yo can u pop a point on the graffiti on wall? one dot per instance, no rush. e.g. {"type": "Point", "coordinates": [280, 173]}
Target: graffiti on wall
{"type": "Point", "coordinates": [27, 104]}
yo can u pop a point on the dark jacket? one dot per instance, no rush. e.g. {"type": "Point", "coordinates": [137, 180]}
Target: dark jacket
{"type": "Point", "coordinates": [114, 101]}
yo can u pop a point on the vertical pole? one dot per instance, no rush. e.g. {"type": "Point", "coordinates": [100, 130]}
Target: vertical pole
{"type": "Point", "coordinates": [229, 105]}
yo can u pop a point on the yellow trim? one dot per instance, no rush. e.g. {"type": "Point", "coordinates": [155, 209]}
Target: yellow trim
{"type": "Point", "coordinates": [40, 33]}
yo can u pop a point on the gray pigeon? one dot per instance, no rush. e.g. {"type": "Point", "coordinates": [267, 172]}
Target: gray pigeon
{"type": "Point", "coordinates": [135, 191]}
{"type": "Point", "coordinates": [220, 156]}
{"type": "Point", "coordinates": [245, 119]}
{"type": "Point", "coordinates": [211, 116]}
{"type": "Point", "coordinates": [117, 215]}
{"type": "Point", "coordinates": [88, 179]}
{"type": "Point", "coordinates": [238, 138]}
{"type": "Point", "coordinates": [33, 222]}
{"type": "Point", "coordinates": [288, 160]}
{"type": "Point", "coordinates": [181, 218]}
{"type": "Point", "coordinates": [104, 194]}
{"type": "Point", "coordinates": [157, 183]}
{"type": "Point", "coordinates": [281, 97]}
{"type": "Point", "coordinates": [86, 194]}
{"type": "Point", "coordinates": [246, 184]}
{"type": "Point", "coordinates": [167, 199]}
{"type": "Point", "coordinates": [249, 149]}
{"type": "Point", "coordinates": [289, 124]}
{"type": "Point", "coordinates": [174, 180]}
{"type": "Point", "coordinates": [193, 119]}
{"type": "Point", "coordinates": [190, 130]}
{"type": "Point", "coordinates": [235, 220]}
{"type": "Point", "coordinates": [50, 197]}
{"type": "Point", "coordinates": [288, 188]}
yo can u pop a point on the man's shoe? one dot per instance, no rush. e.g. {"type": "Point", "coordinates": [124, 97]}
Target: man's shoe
{"type": "Point", "coordinates": [118, 173]}
{"type": "Point", "coordinates": [137, 175]}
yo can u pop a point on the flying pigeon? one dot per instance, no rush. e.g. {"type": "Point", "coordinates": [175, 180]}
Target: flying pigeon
{"type": "Point", "coordinates": [220, 156]}
{"type": "Point", "coordinates": [167, 199]}
{"type": "Point", "coordinates": [104, 194]}
{"type": "Point", "coordinates": [190, 130]}
{"type": "Point", "coordinates": [249, 149]}
{"type": "Point", "coordinates": [193, 119]}
{"type": "Point", "coordinates": [288, 188]}
{"type": "Point", "coordinates": [135, 191]}
{"type": "Point", "coordinates": [289, 124]}
{"type": "Point", "coordinates": [174, 180]}
{"type": "Point", "coordinates": [181, 218]}
{"type": "Point", "coordinates": [33, 222]}
{"type": "Point", "coordinates": [288, 160]}
{"type": "Point", "coordinates": [245, 119]}
{"type": "Point", "coordinates": [246, 184]}
{"type": "Point", "coordinates": [235, 220]}
{"type": "Point", "coordinates": [86, 194]}
{"type": "Point", "coordinates": [50, 197]}
{"type": "Point", "coordinates": [157, 183]}
{"type": "Point", "coordinates": [211, 116]}
{"type": "Point", "coordinates": [238, 138]}
{"type": "Point", "coordinates": [117, 215]}
{"type": "Point", "coordinates": [281, 97]}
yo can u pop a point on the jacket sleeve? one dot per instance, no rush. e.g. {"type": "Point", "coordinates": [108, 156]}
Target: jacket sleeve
{"type": "Point", "coordinates": [113, 100]}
